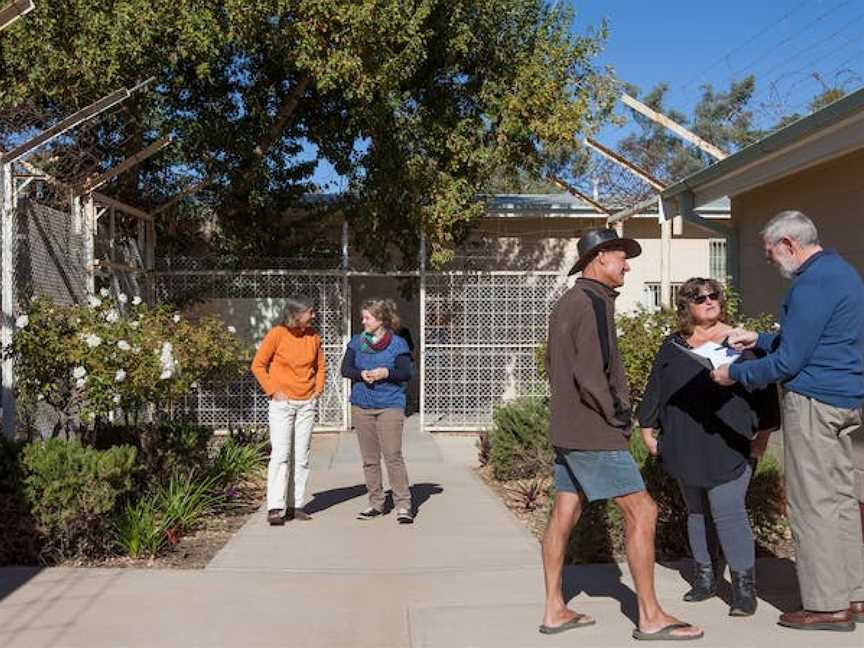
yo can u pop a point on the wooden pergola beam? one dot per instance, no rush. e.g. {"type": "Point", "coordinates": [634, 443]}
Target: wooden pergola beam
{"type": "Point", "coordinates": [126, 164]}
{"type": "Point", "coordinates": [640, 173]}
{"type": "Point", "coordinates": [561, 184]}
{"type": "Point", "coordinates": [638, 208]}
{"type": "Point", "coordinates": [121, 206]}
{"type": "Point", "coordinates": [673, 126]}
{"type": "Point", "coordinates": [13, 11]}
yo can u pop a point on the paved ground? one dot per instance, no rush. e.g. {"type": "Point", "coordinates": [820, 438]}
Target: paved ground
{"type": "Point", "coordinates": [466, 574]}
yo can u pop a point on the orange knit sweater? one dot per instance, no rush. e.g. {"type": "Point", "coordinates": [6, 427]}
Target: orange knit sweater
{"type": "Point", "coordinates": [292, 362]}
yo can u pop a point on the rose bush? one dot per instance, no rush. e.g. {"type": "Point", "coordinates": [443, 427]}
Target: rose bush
{"type": "Point", "coordinates": [91, 361]}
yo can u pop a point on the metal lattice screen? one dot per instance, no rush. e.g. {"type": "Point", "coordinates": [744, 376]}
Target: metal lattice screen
{"type": "Point", "coordinates": [251, 301]}
{"type": "Point", "coordinates": [481, 335]}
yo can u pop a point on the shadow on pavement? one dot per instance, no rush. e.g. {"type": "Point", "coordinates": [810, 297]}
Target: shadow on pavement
{"type": "Point", "coordinates": [776, 582]}
{"type": "Point", "coordinates": [420, 493]}
{"type": "Point", "coordinates": [11, 578]}
{"type": "Point", "coordinates": [325, 499]}
{"type": "Point", "coordinates": [601, 580]}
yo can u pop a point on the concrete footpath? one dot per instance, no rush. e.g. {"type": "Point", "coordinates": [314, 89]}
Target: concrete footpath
{"type": "Point", "coordinates": [466, 574]}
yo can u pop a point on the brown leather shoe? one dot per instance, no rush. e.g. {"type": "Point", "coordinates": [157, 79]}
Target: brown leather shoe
{"type": "Point", "coordinates": [856, 608]}
{"type": "Point", "coordinates": [808, 620]}
{"type": "Point", "coordinates": [275, 517]}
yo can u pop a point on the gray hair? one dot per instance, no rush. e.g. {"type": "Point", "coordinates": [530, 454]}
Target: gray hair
{"type": "Point", "coordinates": [793, 225]}
{"type": "Point", "coordinates": [294, 307]}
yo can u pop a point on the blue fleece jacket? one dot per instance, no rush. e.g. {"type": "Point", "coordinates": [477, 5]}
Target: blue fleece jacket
{"type": "Point", "coordinates": [819, 349]}
{"type": "Point", "coordinates": [382, 394]}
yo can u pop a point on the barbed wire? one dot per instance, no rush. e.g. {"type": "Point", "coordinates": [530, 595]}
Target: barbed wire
{"type": "Point", "coordinates": [81, 155]}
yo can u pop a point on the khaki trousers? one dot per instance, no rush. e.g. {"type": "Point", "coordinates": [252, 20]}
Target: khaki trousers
{"type": "Point", "coordinates": [823, 507]}
{"type": "Point", "coordinates": [379, 432]}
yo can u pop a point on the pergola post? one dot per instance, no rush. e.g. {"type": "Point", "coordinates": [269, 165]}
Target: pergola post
{"type": "Point", "coordinates": [422, 354]}
{"type": "Point", "coordinates": [7, 279]}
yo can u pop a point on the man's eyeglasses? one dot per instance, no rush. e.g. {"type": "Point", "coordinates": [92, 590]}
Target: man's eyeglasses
{"type": "Point", "coordinates": [701, 299]}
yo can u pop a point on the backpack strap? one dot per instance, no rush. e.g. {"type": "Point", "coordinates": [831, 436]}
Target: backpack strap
{"type": "Point", "coordinates": [599, 306]}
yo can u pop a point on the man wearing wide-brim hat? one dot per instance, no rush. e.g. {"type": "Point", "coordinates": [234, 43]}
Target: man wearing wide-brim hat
{"type": "Point", "coordinates": [589, 428]}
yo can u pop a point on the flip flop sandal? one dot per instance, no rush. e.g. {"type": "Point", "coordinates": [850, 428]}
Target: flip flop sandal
{"type": "Point", "coordinates": [666, 634]}
{"type": "Point", "coordinates": [579, 621]}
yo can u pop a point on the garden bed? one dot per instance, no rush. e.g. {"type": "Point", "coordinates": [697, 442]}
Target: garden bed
{"type": "Point", "coordinates": [196, 549]}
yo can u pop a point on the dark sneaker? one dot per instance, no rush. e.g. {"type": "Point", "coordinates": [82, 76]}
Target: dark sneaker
{"type": "Point", "coordinates": [275, 517]}
{"type": "Point", "coordinates": [369, 513]}
{"type": "Point", "coordinates": [403, 516]}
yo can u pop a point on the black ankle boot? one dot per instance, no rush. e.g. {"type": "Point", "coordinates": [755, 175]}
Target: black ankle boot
{"type": "Point", "coordinates": [704, 584]}
{"type": "Point", "coordinates": [743, 593]}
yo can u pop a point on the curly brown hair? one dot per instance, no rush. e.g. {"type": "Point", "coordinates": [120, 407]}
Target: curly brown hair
{"type": "Point", "coordinates": [383, 310]}
{"type": "Point", "coordinates": [688, 291]}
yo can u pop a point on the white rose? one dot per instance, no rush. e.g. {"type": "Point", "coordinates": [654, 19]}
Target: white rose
{"type": "Point", "coordinates": [165, 375]}
{"type": "Point", "coordinates": [104, 292]}
{"type": "Point", "coordinates": [136, 300]}
{"type": "Point", "coordinates": [79, 372]}
{"type": "Point", "coordinates": [194, 385]}
{"type": "Point", "coordinates": [80, 382]}
{"type": "Point", "coordinates": [116, 399]}
{"type": "Point", "coordinates": [22, 321]}
{"type": "Point", "coordinates": [176, 318]}
{"type": "Point", "coordinates": [122, 298]}
{"type": "Point", "coordinates": [166, 360]}
{"type": "Point", "coordinates": [93, 340]}
{"type": "Point", "coordinates": [123, 345]}
{"type": "Point", "coordinates": [231, 329]}
{"type": "Point", "coordinates": [94, 301]}
{"type": "Point", "coordinates": [40, 397]}
{"type": "Point", "coordinates": [112, 316]}
{"type": "Point", "coordinates": [134, 325]}
{"type": "Point", "coordinates": [136, 349]}
{"type": "Point", "coordinates": [120, 376]}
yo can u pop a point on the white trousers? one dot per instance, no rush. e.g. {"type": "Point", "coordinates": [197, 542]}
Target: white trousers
{"type": "Point", "coordinates": [291, 424]}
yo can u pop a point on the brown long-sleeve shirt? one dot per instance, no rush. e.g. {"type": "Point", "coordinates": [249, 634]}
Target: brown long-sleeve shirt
{"type": "Point", "coordinates": [583, 412]}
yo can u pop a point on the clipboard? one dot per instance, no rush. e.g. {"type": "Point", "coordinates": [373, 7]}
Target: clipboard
{"type": "Point", "coordinates": [710, 355]}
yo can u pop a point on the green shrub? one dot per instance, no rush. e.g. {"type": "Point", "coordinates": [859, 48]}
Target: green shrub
{"type": "Point", "coordinates": [766, 504]}
{"type": "Point", "coordinates": [72, 491]}
{"type": "Point", "coordinates": [520, 439]}
{"type": "Point", "coordinates": [20, 542]}
{"type": "Point", "coordinates": [185, 500]}
{"type": "Point", "coordinates": [236, 461]}
{"type": "Point", "coordinates": [173, 447]}
{"type": "Point", "coordinates": [140, 530]}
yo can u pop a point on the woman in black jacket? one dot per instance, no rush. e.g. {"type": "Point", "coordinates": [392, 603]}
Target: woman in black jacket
{"type": "Point", "coordinates": [709, 438]}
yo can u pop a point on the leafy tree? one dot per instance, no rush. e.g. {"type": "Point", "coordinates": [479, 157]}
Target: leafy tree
{"type": "Point", "coordinates": [417, 103]}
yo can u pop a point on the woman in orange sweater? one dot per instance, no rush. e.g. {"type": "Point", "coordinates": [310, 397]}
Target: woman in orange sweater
{"type": "Point", "coordinates": [289, 366]}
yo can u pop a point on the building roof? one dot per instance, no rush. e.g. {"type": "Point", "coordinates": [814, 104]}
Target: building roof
{"type": "Point", "coordinates": [565, 205]}
{"type": "Point", "coordinates": [833, 131]}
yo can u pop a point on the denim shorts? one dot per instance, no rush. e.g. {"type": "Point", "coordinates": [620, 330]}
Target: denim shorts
{"type": "Point", "coordinates": [600, 474]}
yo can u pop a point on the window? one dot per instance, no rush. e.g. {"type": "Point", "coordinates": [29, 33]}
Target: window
{"type": "Point", "coordinates": [717, 259]}
{"type": "Point", "coordinates": [651, 295]}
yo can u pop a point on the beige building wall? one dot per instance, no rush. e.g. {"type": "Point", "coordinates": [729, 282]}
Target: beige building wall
{"type": "Point", "coordinates": [550, 244]}
{"type": "Point", "coordinates": [832, 194]}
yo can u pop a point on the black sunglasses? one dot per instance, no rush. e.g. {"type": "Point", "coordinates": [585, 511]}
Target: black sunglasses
{"type": "Point", "coordinates": [701, 299]}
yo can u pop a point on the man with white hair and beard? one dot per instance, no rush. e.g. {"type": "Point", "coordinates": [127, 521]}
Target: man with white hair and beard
{"type": "Point", "coordinates": [818, 358]}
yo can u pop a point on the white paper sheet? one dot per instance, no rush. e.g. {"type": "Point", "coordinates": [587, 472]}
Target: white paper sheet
{"type": "Point", "coordinates": [717, 354]}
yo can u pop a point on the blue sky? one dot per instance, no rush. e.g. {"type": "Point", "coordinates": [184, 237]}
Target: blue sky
{"type": "Point", "coordinates": [689, 43]}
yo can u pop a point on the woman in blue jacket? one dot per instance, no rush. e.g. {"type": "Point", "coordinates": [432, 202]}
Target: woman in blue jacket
{"type": "Point", "coordinates": [378, 362]}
